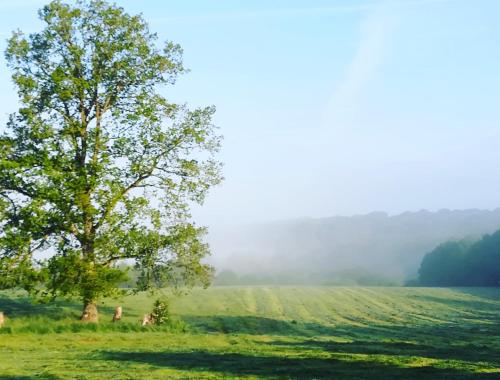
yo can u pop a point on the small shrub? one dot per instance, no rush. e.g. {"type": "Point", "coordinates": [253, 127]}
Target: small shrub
{"type": "Point", "coordinates": [161, 312]}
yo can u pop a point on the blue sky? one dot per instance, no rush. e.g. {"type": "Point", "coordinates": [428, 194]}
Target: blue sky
{"type": "Point", "coordinates": [333, 107]}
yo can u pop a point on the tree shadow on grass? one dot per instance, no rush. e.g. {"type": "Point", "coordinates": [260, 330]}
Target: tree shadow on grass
{"type": "Point", "coordinates": [38, 377]}
{"type": "Point", "coordinates": [481, 306]}
{"type": "Point", "coordinates": [487, 293]}
{"type": "Point", "coordinates": [256, 326]}
{"type": "Point", "coordinates": [252, 325]}
{"type": "Point", "coordinates": [466, 342]}
{"type": "Point", "coordinates": [23, 306]}
{"type": "Point", "coordinates": [468, 353]}
{"type": "Point", "coordinates": [284, 367]}
{"type": "Point", "coordinates": [454, 341]}
{"type": "Point", "coordinates": [443, 333]}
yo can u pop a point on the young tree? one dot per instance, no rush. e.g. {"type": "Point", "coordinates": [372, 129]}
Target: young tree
{"type": "Point", "coordinates": [97, 166]}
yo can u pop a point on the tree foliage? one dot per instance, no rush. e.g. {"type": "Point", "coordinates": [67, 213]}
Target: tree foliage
{"type": "Point", "coordinates": [445, 265]}
{"type": "Point", "coordinates": [97, 166]}
{"type": "Point", "coordinates": [463, 263]}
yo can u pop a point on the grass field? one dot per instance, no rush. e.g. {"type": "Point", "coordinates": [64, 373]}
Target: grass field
{"type": "Point", "coordinates": [263, 332]}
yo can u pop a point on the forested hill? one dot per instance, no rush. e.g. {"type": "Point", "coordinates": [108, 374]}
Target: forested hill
{"type": "Point", "coordinates": [378, 243]}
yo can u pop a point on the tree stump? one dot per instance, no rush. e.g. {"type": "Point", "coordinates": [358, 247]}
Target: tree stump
{"type": "Point", "coordinates": [118, 314]}
{"type": "Point", "coordinates": [148, 319]}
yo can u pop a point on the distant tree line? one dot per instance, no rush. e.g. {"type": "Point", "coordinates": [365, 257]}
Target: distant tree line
{"type": "Point", "coordinates": [463, 263]}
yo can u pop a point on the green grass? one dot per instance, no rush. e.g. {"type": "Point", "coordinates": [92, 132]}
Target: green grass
{"type": "Point", "coordinates": [263, 332]}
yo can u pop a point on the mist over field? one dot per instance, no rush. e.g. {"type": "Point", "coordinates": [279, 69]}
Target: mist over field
{"type": "Point", "coordinates": [313, 249]}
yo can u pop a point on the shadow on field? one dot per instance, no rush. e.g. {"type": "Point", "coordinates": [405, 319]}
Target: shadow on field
{"type": "Point", "coordinates": [22, 306]}
{"type": "Point", "coordinates": [39, 377]}
{"type": "Point", "coordinates": [452, 341]}
{"type": "Point", "coordinates": [469, 352]}
{"type": "Point", "coordinates": [487, 293]}
{"type": "Point", "coordinates": [287, 367]}
{"type": "Point", "coordinates": [251, 325]}
{"type": "Point", "coordinates": [256, 325]}
{"type": "Point", "coordinates": [481, 307]}
{"type": "Point", "coordinates": [440, 334]}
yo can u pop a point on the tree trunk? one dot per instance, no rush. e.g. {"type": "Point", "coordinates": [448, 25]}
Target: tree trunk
{"type": "Point", "coordinates": [90, 312]}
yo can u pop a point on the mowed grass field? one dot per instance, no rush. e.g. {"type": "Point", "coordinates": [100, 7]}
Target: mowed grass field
{"type": "Point", "coordinates": [262, 332]}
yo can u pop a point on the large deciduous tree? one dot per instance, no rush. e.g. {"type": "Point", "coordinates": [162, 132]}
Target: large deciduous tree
{"type": "Point", "coordinates": [97, 166]}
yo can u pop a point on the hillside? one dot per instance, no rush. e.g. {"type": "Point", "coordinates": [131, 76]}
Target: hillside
{"type": "Point", "coordinates": [376, 242]}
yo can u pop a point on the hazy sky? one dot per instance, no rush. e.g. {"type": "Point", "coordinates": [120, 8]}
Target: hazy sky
{"type": "Point", "coordinates": [333, 107]}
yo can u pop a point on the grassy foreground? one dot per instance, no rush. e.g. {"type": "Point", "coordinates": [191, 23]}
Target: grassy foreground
{"type": "Point", "coordinates": [263, 332]}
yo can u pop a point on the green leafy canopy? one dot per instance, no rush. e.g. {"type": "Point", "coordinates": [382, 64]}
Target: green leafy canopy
{"type": "Point", "coordinates": [97, 166]}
